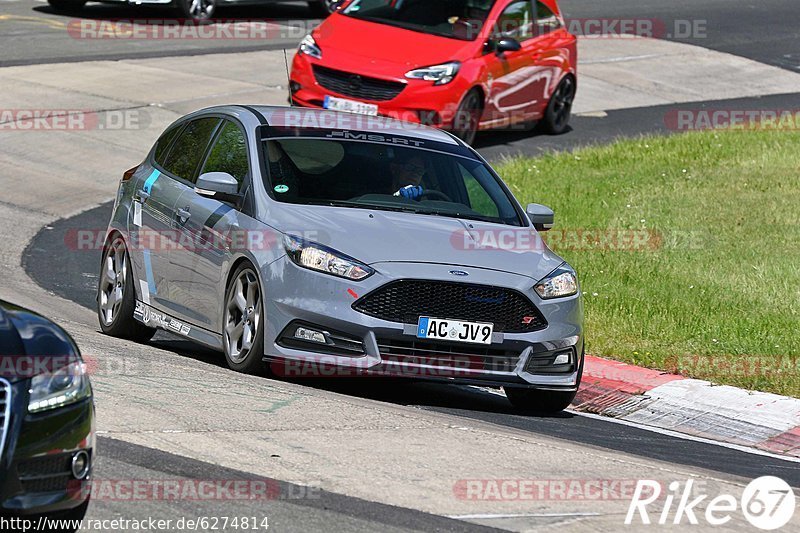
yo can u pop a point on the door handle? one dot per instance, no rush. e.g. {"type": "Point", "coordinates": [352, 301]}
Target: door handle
{"type": "Point", "coordinates": [184, 214]}
{"type": "Point", "coordinates": [143, 195]}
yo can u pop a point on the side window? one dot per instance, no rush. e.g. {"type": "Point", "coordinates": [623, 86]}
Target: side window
{"type": "Point", "coordinates": [229, 153]}
{"type": "Point", "coordinates": [546, 20]}
{"type": "Point", "coordinates": [479, 199]}
{"type": "Point", "coordinates": [516, 21]}
{"type": "Point", "coordinates": [164, 143]}
{"type": "Point", "coordinates": [189, 148]}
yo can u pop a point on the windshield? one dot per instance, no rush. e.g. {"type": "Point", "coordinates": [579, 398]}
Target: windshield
{"type": "Point", "coordinates": [391, 178]}
{"type": "Point", "coordinates": [457, 19]}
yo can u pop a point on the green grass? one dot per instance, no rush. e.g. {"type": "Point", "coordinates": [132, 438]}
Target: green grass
{"type": "Point", "coordinates": [716, 293]}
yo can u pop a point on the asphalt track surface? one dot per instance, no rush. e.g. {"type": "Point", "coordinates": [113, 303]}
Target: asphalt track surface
{"type": "Point", "coordinates": [74, 276]}
{"type": "Point", "coordinates": [288, 508]}
{"type": "Point", "coordinates": [31, 33]}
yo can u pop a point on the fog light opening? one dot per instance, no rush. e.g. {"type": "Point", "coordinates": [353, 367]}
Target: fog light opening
{"type": "Point", "coordinates": [80, 465]}
{"type": "Point", "coordinates": [310, 335]}
{"type": "Point", "coordinates": [562, 359]}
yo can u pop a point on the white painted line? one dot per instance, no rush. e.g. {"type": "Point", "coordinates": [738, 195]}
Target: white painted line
{"type": "Point", "coordinates": [522, 515]}
{"type": "Point", "coordinates": [620, 59]}
{"type": "Point", "coordinates": [670, 433]}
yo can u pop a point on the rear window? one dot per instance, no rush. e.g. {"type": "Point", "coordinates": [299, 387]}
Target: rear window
{"type": "Point", "coordinates": [164, 143]}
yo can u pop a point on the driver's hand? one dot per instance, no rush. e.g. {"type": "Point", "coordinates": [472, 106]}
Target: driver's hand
{"type": "Point", "coordinates": [412, 192]}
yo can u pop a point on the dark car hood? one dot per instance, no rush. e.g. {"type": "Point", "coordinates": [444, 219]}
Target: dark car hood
{"type": "Point", "coordinates": [375, 236]}
{"type": "Point", "coordinates": [24, 333]}
{"type": "Point", "coordinates": [375, 51]}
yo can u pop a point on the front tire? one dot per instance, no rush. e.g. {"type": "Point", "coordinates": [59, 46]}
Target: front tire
{"type": "Point", "coordinates": [559, 109]}
{"type": "Point", "coordinates": [543, 401]}
{"type": "Point", "coordinates": [67, 6]}
{"type": "Point", "coordinates": [116, 297]}
{"type": "Point", "coordinates": [468, 115]}
{"type": "Point", "coordinates": [243, 324]}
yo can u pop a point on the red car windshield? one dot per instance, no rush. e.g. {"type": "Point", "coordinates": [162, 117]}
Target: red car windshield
{"type": "Point", "coordinates": [456, 19]}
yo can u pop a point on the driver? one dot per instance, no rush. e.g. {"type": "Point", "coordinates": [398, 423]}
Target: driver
{"type": "Point", "coordinates": [407, 177]}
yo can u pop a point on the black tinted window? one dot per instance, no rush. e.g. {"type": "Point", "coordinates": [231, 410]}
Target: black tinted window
{"type": "Point", "coordinates": [163, 144]}
{"type": "Point", "coordinates": [190, 147]}
{"type": "Point", "coordinates": [229, 153]}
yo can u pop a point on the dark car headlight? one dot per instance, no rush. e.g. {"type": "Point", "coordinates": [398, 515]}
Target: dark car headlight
{"type": "Point", "coordinates": [560, 283]}
{"type": "Point", "coordinates": [66, 385]}
{"type": "Point", "coordinates": [323, 259]}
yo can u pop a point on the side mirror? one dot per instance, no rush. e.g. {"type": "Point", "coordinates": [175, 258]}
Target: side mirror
{"type": "Point", "coordinates": [542, 217]}
{"type": "Point", "coordinates": [507, 44]}
{"type": "Point", "coordinates": [213, 183]}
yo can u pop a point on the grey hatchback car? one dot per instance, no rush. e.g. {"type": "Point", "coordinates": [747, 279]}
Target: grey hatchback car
{"type": "Point", "coordinates": [311, 243]}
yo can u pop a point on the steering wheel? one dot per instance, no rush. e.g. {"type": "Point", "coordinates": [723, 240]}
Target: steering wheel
{"type": "Point", "coordinates": [438, 194]}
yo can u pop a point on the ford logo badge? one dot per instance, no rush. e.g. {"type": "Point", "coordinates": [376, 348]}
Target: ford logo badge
{"type": "Point", "coordinates": [459, 273]}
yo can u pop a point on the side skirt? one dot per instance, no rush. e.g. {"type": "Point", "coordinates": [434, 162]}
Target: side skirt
{"type": "Point", "coordinates": [153, 318]}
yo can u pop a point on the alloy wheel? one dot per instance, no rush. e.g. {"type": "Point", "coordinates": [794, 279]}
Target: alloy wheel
{"type": "Point", "coordinates": [112, 281]}
{"type": "Point", "coordinates": [242, 315]}
{"type": "Point", "coordinates": [562, 102]}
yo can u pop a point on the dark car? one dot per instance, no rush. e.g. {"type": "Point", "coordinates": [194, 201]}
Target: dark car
{"type": "Point", "coordinates": [194, 10]}
{"type": "Point", "coordinates": [46, 419]}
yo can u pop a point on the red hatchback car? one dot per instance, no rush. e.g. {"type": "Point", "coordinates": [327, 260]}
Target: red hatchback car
{"type": "Point", "coordinates": [461, 65]}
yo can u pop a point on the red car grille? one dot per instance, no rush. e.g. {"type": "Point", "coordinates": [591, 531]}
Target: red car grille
{"type": "Point", "coordinates": [357, 86]}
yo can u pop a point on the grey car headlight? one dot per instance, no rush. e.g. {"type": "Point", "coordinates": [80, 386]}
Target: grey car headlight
{"type": "Point", "coordinates": [559, 283]}
{"type": "Point", "coordinates": [58, 388]}
{"type": "Point", "coordinates": [439, 74]}
{"type": "Point", "coordinates": [323, 259]}
{"type": "Point", "coordinates": [309, 47]}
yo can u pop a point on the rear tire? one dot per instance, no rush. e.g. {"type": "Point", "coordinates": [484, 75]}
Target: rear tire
{"type": "Point", "coordinates": [67, 5]}
{"type": "Point", "coordinates": [243, 323]}
{"type": "Point", "coordinates": [468, 115]}
{"type": "Point", "coordinates": [116, 297]}
{"type": "Point", "coordinates": [559, 109]}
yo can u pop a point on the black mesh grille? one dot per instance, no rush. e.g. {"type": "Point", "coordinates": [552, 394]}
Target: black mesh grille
{"type": "Point", "coordinates": [445, 355]}
{"type": "Point", "coordinates": [407, 300]}
{"type": "Point", "coordinates": [357, 86]}
{"type": "Point", "coordinates": [45, 466]}
{"type": "Point", "coordinates": [46, 474]}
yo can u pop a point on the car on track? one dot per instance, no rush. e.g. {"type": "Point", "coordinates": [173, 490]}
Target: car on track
{"type": "Point", "coordinates": [193, 10]}
{"type": "Point", "coordinates": [46, 419]}
{"type": "Point", "coordinates": [333, 244]}
{"type": "Point", "coordinates": [461, 65]}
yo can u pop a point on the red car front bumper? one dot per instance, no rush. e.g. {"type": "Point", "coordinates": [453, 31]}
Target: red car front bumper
{"type": "Point", "coordinates": [419, 102]}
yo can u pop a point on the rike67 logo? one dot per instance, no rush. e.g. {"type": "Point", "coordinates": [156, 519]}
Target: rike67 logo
{"type": "Point", "coordinates": [768, 503]}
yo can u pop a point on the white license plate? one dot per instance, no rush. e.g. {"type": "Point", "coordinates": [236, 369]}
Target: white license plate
{"type": "Point", "coordinates": [350, 106]}
{"type": "Point", "coordinates": [454, 330]}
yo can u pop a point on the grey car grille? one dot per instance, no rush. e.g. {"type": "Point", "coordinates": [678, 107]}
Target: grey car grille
{"type": "Point", "coordinates": [5, 412]}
